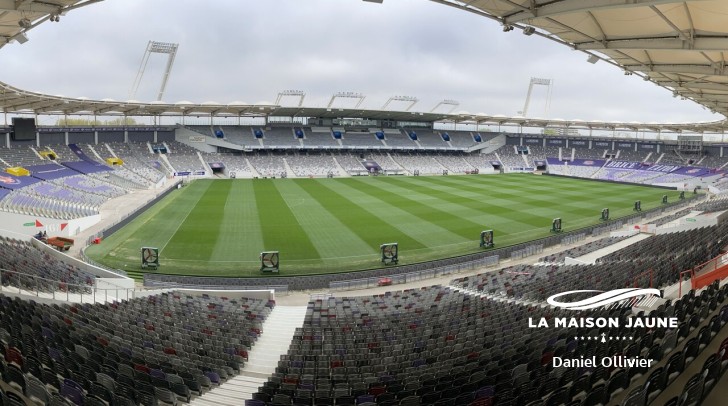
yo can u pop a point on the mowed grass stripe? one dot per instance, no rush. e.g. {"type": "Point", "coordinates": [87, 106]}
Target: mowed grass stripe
{"type": "Point", "coordinates": [353, 210]}
{"type": "Point", "coordinates": [281, 231]}
{"type": "Point", "coordinates": [554, 202]}
{"type": "Point", "coordinates": [197, 236]}
{"type": "Point", "coordinates": [509, 225]}
{"type": "Point", "coordinates": [329, 235]}
{"type": "Point", "coordinates": [426, 233]}
{"type": "Point", "coordinates": [525, 194]}
{"type": "Point", "coordinates": [475, 207]}
{"type": "Point", "coordinates": [577, 201]}
{"type": "Point", "coordinates": [350, 218]}
{"type": "Point", "coordinates": [240, 237]}
{"type": "Point", "coordinates": [153, 228]}
{"type": "Point", "coordinates": [507, 218]}
{"type": "Point", "coordinates": [426, 212]}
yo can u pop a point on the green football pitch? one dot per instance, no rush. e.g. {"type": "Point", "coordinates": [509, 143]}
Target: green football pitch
{"type": "Point", "coordinates": [220, 227]}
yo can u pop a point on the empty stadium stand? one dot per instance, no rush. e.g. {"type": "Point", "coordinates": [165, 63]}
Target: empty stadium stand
{"type": "Point", "coordinates": [162, 348]}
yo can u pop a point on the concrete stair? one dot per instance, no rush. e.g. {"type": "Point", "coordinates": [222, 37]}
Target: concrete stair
{"type": "Point", "coordinates": [263, 359]}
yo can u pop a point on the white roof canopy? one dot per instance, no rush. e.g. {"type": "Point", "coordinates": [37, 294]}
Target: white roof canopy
{"type": "Point", "coordinates": [20, 16]}
{"type": "Point", "coordinates": [679, 45]}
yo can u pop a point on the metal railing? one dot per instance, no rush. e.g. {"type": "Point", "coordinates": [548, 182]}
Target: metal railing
{"type": "Point", "coordinates": [26, 284]}
{"type": "Point", "coordinates": [606, 229]}
{"type": "Point", "coordinates": [570, 239]}
{"type": "Point", "coordinates": [527, 252]}
{"type": "Point", "coordinates": [149, 283]}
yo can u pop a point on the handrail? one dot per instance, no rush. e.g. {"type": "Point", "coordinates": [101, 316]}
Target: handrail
{"type": "Point", "coordinates": [59, 290]}
{"type": "Point", "coordinates": [157, 284]}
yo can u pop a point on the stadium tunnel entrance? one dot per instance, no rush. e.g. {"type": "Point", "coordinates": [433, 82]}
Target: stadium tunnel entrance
{"type": "Point", "coordinates": [218, 168]}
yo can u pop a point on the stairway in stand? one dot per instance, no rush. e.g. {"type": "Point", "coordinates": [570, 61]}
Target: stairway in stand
{"type": "Point", "coordinates": [263, 359]}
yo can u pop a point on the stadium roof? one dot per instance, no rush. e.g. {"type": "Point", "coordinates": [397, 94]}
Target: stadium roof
{"type": "Point", "coordinates": [19, 16]}
{"type": "Point", "coordinates": [679, 45]}
{"type": "Point", "coordinates": [21, 101]}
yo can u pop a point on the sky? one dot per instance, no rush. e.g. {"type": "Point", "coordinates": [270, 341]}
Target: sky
{"type": "Point", "coordinates": [249, 50]}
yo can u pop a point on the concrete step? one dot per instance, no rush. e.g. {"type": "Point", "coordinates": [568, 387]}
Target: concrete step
{"type": "Point", "coordinates": [276, 336]}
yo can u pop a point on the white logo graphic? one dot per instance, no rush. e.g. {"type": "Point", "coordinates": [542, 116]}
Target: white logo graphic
{"type": "Point", "coordinates": [602, 299]}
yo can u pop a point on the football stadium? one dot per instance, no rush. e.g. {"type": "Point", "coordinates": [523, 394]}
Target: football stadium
{"type": "Point", "coordinates": [334, 250]}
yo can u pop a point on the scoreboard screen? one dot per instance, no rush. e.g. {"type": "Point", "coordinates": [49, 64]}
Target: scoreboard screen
{"type": "Point", "coordinates": [23, 129]}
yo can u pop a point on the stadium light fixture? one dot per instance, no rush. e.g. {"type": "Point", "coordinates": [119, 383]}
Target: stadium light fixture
{"type": "Point", "coordinates": [507, 27]}
{"type": "Point", "coordinates": [529, 30]}
{"type": "Point", "coordinates": [25, 23]}
{"type": "Point", "coordinates": [447, 102]}
{"type": "Point", "coordinates": [170, 49]}
{"type": "Point", "coordinates": [592, 59]}
{"type": "Point", "coordinates": [409, 99]}
{"type": "Point", "coordinates": [347, 95]}
{"type": "Point", "coordinates": [300, 94]}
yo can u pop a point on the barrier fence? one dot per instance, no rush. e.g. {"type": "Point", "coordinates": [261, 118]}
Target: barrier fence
{"type": "Point", "coordinates": [607, 229]}
{"type": "Point", "coordinates": [527, 252]}
{"type": "Point", "coordinates": [204, 284]}
{"type": "Point", "coordinates": [571, 239]}
{"type": "Point", "coordinates": [396, 279]}
{"type": "Point", "coordinates": [26, 284]}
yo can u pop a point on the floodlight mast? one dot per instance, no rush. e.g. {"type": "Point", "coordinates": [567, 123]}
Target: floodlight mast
{"type": "Point", "coordinates": [409, 99]}
{"type": "Point", "coordinates": [292, 93]}
{"type": "Point", "coordinates": [447, 102]}
{"type": "Point", "coordinates": [155, 47]}
{"type": "Point", "coordinates": [347, 95]}
{"type": "Point", "coordinates": [541, 82]}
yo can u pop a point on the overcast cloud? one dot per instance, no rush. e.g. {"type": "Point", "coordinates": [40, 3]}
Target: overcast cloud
{"type": "Point", "coordinates": [248, 50]}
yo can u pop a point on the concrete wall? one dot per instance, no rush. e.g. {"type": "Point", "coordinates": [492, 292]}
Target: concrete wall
{"type": "Point", "coordinates": [13, 224]}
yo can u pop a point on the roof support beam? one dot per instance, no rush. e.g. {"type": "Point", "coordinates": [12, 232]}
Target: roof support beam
{"type": "Point", "coordinates": [668, 22]}
{"type": "Point", "coordinates": [704, 97]}
{"type": "Point", "coordinates": [686, 69]}
{"type": "Point", "coordinates": [695, 85]}
{"type": "Point", "coordinates": [557, 8]}
{"type": "Point", "coordinates": [671, 44]}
